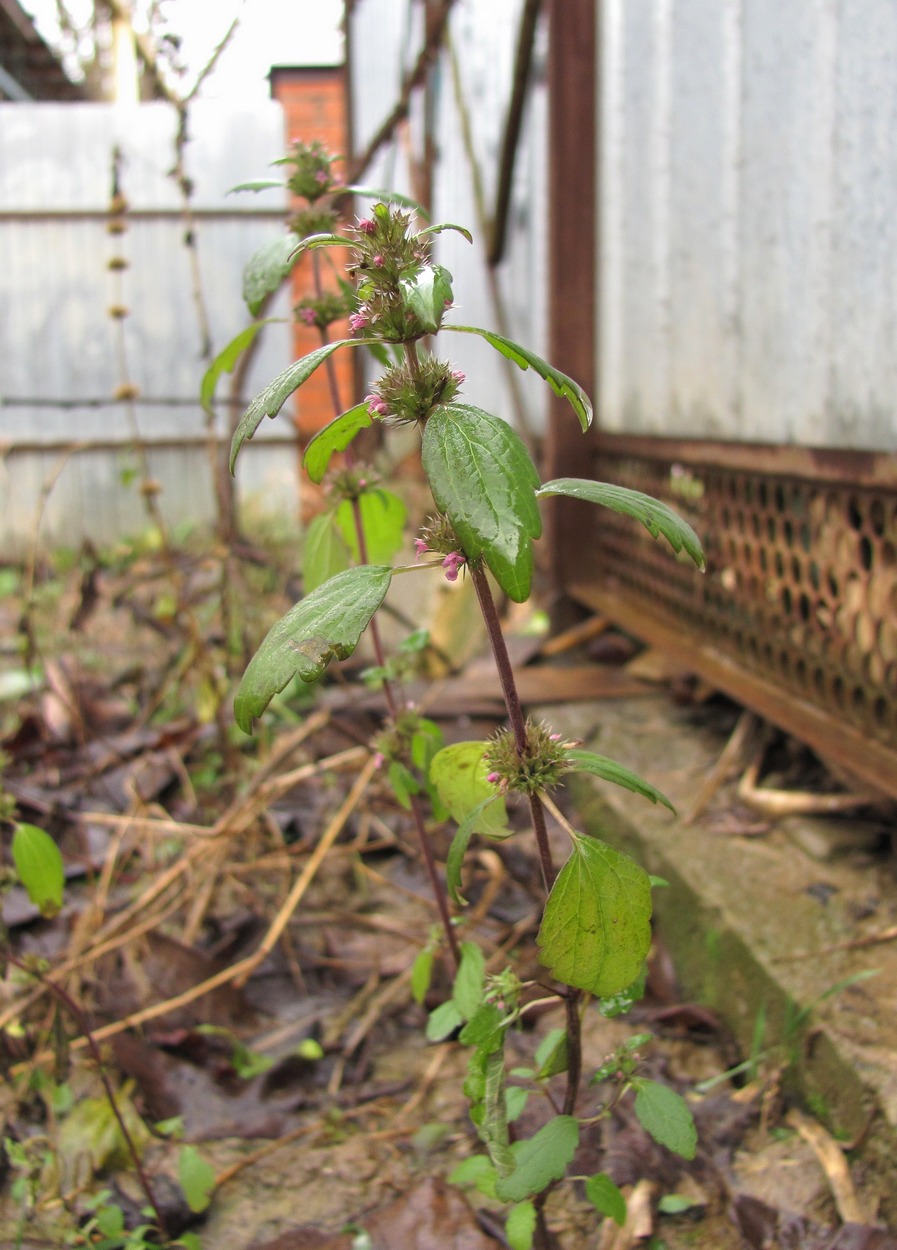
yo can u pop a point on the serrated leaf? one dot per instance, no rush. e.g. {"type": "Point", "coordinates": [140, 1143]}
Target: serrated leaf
{"type": "Point", "coordinates": [563, 386]}
{"type": "Point", "coordinates": [269, 402]}
{"type": "Point", "coordinates": [386, 197]}
{"type": "Point", "coordinates": [657, 517]}
{"type": "Point", "coordinates": [267, 269]}
{"type": "Point", "coordinates": [666, 1116]}
{"type": "Point", "coordinates": [443, 1021]}
{"type": "Point", "coordinates": [324, 553]}
{"type": "Point", "coordinates": [460, 842]}
{"type": "Point", "coordinates": [520, 1226]}
{"type": "Point", "coordinates": [421, 973]}
{"type": "Point", "coordinates": [196, 1177]}
{"type": "Point", "coordinates": [467, 991]}
{"type": "Point", "coordinates": [483, 479]}
{"type": "Point", "coordinates": [610, 770]}
{"type": "Point", "coordinates": [326, 625]}
{"type": "Point", "coordinates": [226, 360]}
{"type": "Point", "coordinates": [540, 1160]}
{"type": "Point", "coordinates": [427, 295]}
{"type": "Point", "coordinates": [383, 517]}
{"type": "Point", "coordinates": [336, 436]}
{"type": "Point", "coordinates": [596, 930]}
{"type": "Point", "coordinates": [606, 1198]}
{"type": "Point", "coordinates": [39, 864]}
{"type": "Point", "coordinates": [460, 775]}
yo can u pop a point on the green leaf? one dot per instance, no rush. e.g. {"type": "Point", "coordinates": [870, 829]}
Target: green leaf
{"type": "Point", "coordinates": [110, 1221]}
{"type": "Point", "coordinates": [484, 1029]}
{"type": "Point", "coordinates": [458, 848]}
{"type": "Point", "coordinates": [258, 184]}
{"type": "Point", "coordinates": [383, 517]}
{"type": "Point", "coordinates": [443, 1021]}
{"type": "Point", "coordinates": [325, 552]}
{"type": "Point", "coordinates": [427, 295]}
{"type": "Point", "coordinates": [226, 360]}
{"type": "Point", "coordinates": [459, 774]}
{"type": "Point", "coordinates": [596, 930]}
{"type": "Point", "coordinates": [403, 782]}
{"type": "Point", "coordinates": [609, 770]}
{"type": "Point", "coordinates": [483, 479]}
{"type": "Point", "coordinates": [386, 197]}
{"type": "Point", "coordinates": [551, 1055]}
{"type": "Point", "coordinates": [563, 387]}
{"type": "Point", "coordinates": [326, 625]}
{"type": "Point", "coordinates": [520, 1226]}
{"type": "Point", "coordinates": [333, 438]}
{"type": "Point", "coordinates": [196, 1177]}
{"type": "Point", "coordinates": [471, 1171]}
{"type": "Point", "coordinates": [467, 991]}
{"type": "Point", "coordinates": [665, 1115]}
{"type": "Point", "coordinates": [267, 269]}
{"type": "Point", "coordinates": [422, 973]}
{"type": "Point", "coordinates": [269, 402]}
{"type": "Point", "coordinates": [446, 225]}
{"type": "Point", "coordinates": [675, 1204]}
{"type": "Point", "coordinates": [619, 1004]}
{"type": "Point", "coordinates": [656, 516]}
{"type": "Point", "coordinates": [606, 1198]}
{"type": "Point", "coordinates": [516, 1099]}
{"type": "Point", "coordinates": [39, 864]}
{"type": "Point", "coordinates": [540, 1160]}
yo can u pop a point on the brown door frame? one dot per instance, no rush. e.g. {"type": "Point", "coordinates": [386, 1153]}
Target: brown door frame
{"type": "Point", "coordinates": [572, 252]}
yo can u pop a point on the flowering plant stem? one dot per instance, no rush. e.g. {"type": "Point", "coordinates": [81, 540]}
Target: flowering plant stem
{"type": "Point", "coordinates": [595, 928]}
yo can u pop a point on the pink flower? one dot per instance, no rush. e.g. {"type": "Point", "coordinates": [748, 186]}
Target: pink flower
{"type": "Point", "coordinates": [357, 321]}
{"type": "Point", "coordinates": [367, 226]}
{"type": "Point", "coordinates": [452, 563]}
{"type": "Point", "coordinates": [377, 261]}
{"type": "Point", "coordinates": [420, 547]}
{"type": "Point", "coordinates": [458, 376]}
{"type": "Point", "coordinates": [494, 778]}
{"type": "Point", "coordinates": [321, 177]}
{"type": "Point", "coordinates": [379, 759]}
{"type": "Point", "coordinates": [308, 316]}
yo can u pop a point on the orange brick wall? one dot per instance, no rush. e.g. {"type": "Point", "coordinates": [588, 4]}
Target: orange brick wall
{"type": "Point", "coordinates": [314, 102]}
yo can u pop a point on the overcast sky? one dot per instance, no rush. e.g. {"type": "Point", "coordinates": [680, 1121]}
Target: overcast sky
{"type": "Point", "coordinates": [271, 32]}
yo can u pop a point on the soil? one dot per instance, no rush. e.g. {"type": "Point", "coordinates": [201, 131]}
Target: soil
{"type": "Point", "coordinates": [301, 1074]}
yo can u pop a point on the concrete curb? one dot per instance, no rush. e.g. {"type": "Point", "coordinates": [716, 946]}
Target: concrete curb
{"type": "Point", "coordinates": [739, 910]}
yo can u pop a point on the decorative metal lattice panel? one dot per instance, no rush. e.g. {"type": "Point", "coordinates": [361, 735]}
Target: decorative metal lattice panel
{"type": "Point", "coordinates": [800, 589]}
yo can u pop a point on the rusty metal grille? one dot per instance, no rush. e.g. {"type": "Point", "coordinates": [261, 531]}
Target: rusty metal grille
{"type": "Point", "coordinates": [800, 591]}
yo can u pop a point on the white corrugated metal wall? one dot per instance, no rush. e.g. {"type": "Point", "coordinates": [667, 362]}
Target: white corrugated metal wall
{"type": "Point", "coordinates": [748, 208]}
{"type": "Point", "coordinates": [385, 38]}
{"type": "Point", "coordinates": [59, 352]}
